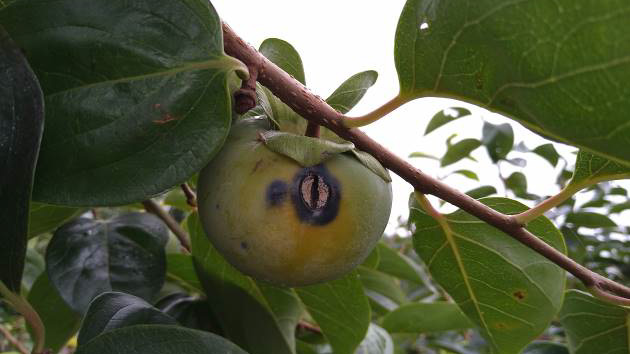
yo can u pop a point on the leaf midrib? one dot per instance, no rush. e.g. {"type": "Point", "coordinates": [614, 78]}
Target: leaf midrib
{"type": "Point", "coordinates": [223, 63]}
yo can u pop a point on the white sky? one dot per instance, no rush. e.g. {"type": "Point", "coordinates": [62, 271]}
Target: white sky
{"type": "Point", "coordinates": [337, 39]}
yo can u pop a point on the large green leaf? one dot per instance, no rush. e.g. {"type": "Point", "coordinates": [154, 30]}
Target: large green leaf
{"type": "Point", "coordinates": [87, 257]}
{"type": "Point", "coordinates": [529, 60]}
{"type": "Point", "coordinates": [341, 310]}
{"type": "Point", "coordinates": [137, 94]}
{"type": "Point", "coordinates": [21, 124]}
{"type": "Point", "coordinates": [260, 318]}
{"type": "Point", "coordinates": [594, 326]}
{"type": "Point", "coordinates": [158, 339]}
{"type": "Point", "coordinates": [591, 169]}
{"type": "Point", "coordinates": [113, 310]}
{"type": "Point", "coordinates": [61, 321]}
{"type": "Point", "coordinates": [506, 289]}
{"type": "Point", "coordinates": [426, 317]}
{"type": "Point", "coordinates": [44, 217]}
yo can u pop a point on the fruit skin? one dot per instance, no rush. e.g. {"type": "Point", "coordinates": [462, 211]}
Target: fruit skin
{"type": "Point", "coordinates": [252, 210]}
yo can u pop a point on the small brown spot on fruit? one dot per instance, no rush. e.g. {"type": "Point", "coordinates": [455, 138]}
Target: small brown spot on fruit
{"type": "Point", "coordinates": [519, 295]}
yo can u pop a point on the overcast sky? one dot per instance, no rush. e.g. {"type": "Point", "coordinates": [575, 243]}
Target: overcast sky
{"type": "Point", "coordinates": [337, 39]}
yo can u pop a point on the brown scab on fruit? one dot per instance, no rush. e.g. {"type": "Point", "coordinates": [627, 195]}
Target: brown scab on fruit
{"type": "Point", "coordinates": [315, 195]}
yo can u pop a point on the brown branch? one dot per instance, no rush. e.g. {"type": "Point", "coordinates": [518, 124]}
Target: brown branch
{"type": "Point", "coordinates": [314, 109]}
{"type": "Point", "coordinates": [14, 341]}
{"type": "Point", "coordinates": [191, 197]}
{"type": "Point", "coordinates": [182, 236]}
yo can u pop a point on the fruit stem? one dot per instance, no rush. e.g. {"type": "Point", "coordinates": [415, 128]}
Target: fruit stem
{"type": "Point", "coordinates": [191, 197]}
{"type": "Point", "coordinates": [312, 129]}
{"type": "Point", "coordinates": [182, 236]}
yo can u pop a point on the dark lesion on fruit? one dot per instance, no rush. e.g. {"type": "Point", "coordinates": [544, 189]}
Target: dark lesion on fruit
{"type": "Point", "coordinates": [315, 194]}
{"type": "Point", "coordinates": [277, 192]}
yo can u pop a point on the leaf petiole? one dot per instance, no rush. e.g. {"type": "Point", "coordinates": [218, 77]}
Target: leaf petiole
{"type": "Point", "coordinates": [31, 316]}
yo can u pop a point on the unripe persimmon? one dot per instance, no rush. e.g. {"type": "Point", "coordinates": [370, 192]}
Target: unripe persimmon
{"type": "Point", "coordinates": [286, 224]}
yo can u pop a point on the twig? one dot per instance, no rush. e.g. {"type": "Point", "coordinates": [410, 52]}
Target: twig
{"type": "Point", "coordinates": [191, 197]}
{"type": "Point", "coordinates": [309, 327]}
{"type": "Point", "coordinates": [14, 341]}
{"type": "Point", "coordinates": [312, 130]}
{"type": "Point", "coordinates": [314, 109]}
{"type": "Point", "coordinates": [182, 236]}
{"type": "Point", "coordinates": [21, 305]}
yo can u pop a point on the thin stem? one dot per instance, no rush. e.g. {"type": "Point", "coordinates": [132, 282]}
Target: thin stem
{"type": "Point", "coordinates": [380, 112]}
{"type": "Point", "coordinates": [312, 130]}
{"type": "Point", "coordinates": [31, 316]}
{"type": "Point", "coordinates": [14, 341]}
{"type": "Point", "coordinates": [191, 197]}
{"type": "Point", "coordinates": [316, 110]}
{"type": "Point", "coordinates": [182, 236]}
{"type": "Point", "coordinates": [548, 204]}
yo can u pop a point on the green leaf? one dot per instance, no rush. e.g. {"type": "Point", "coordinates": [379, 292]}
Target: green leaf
{"type": "Point", "coordinates": [88, 257]}
{"type": "Point", "coordinates": [618, 208]}
{"type": "Point", "coordinates": [21, 125]}
{"type": "Point", "coordinates": [506, 289]}
{"type": "Point", "coordinates": [505, 57]}
{"type": "Point", "coordinates": [517, 183]}
{"type": "Point", "coordinates": [137, 94]}
{"type": "Point", "coordinates": [305, 150]}
{"type": "Point", "coordinates": [248, 312]}
{"type": "Point", "coordinates": [545, 347]}
{"type": "Point", "coordinates": [547, 152]}
{"type": "Point", "coordinates": [590, 220]}
{"type": "Point", "coordinates": [445, 116]}
{"type": "Point", "coordinates": [372, 259]}
{"type": "Point", "coordinates": [350, 92]}
{"type": "Point", "coordinates": [498, 140]}
{"type": "Point", "coordinates": [594, 326]}
{"type": "Point", "coordinates": [426, 318]}
{"type": "Point", "coordinates": [377, 341]}
{"type": "Point", "coordinates": [284, 56]}
{"type": "Point", "coordinates": [458, 151]}
{"type": "Point", "coordinates": [396, 264]}
{"type": "Point", "coordinates": [44, 218]}
{"type": "Point", "coordinates": [33, 267]}
{"type": "Point", "coordinates": [181, 268]}
{"type": "Point", "coordinates": [423, 155]}
{"type": "Point", "coordinates": [466, 173]}
{"type": "Point", "coordinates": [341, 310]}
{"type": "Point", "coordinates": [60, 321]}
{"type": "Point", "coordinates": [591, 169]}
{"type": "Point", "coordinates": [158, 339]}
{"type": "Point", "coordinates": [381, 284]}
{"type": "Point", "coordinates": [481, 192]}
{"type": "Point", "coordinates": [112, 310]}
{"type": "Point", "coordinates": [618, 191]}
{"type": "Point", "coordinates": [372, 164]}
